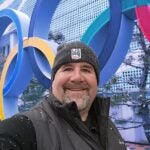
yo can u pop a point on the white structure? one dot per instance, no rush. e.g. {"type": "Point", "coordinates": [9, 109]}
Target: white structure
{"type": "Point", "coordinates": [127, 74]}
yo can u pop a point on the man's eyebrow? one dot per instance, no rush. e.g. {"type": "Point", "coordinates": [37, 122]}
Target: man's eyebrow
{"type": "Point", "coordinates": [88, 66]}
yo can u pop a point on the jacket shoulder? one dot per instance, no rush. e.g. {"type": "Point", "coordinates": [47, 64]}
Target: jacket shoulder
{"type": "Point", "coordinates": [40, 113]}
{"type": "Point", "coordinates": [17, 131]}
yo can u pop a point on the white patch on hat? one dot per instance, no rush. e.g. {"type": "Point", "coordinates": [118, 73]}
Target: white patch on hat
{"type": "Point", "coordinates": [76, 53]}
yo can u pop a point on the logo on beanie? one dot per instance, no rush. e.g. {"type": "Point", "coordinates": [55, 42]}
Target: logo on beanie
{"type": "Point", "coordinates": [76, 53]}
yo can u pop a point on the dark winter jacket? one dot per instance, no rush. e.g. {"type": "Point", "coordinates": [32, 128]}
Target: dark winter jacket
{"type": "Point", "coordinates": [54, 126]}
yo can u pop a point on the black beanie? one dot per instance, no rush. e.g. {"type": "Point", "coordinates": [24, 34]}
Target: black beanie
{"type": "Point", "coordinates": [74, 52]}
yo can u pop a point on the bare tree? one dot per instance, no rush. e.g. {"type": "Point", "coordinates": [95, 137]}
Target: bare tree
{"type": "Point", "coordinates": [145, 67]}
{"type": "Point", "coordinates": [58, 37]}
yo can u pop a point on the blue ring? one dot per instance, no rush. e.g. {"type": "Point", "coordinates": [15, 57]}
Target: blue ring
{"type": "Point", "coordinates": [21, 21]}
{"type": "Point", "coordinates": [96, 36]}
{"type": "Point", "coordinates": [113, 31]}
{"type": "Point", "coordinates": [41, 18]}
{"type": "Point", "coordinates": [22, 80]}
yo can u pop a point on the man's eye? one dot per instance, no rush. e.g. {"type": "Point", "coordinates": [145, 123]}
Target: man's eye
{"type": "Point", "coordinates": [87, 70]}
{"type": "Point", "coordinates": [67, 69]}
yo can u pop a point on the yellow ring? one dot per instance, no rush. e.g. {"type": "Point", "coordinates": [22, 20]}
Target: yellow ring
{"type": "Point", "coordinates": [35, 42]}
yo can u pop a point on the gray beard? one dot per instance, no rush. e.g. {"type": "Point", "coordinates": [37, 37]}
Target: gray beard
{"type": "Point", "coordinates": [85, 102]}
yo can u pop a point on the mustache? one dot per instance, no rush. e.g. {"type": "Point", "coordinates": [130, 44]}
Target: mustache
{"type": "Point", "coordinates": [75, 86]}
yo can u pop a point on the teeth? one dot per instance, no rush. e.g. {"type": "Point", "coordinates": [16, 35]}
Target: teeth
{"type": "Point", "coordinates": [76, 89]}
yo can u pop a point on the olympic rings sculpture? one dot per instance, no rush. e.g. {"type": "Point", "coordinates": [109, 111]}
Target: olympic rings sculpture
{"type": "Point", "coordinates": [109, 36]}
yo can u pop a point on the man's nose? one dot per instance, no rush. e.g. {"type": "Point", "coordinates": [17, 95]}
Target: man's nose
{"type": "Point", "coordinates": [77, 76]}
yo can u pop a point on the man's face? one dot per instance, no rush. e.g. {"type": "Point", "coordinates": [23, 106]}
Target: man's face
{"type": "Point", "coordinates": [75, 82]}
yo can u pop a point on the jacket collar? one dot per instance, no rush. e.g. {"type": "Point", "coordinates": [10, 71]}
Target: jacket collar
{"type": "Point", "coordinates": [100, 106]}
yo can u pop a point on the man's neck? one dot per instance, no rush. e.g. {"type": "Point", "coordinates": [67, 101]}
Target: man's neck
{"type": "Point", "coordinates": [83, 115]}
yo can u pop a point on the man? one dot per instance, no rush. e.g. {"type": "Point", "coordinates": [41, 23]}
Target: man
{"type": "Point", "coordinates": [72, 117]}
